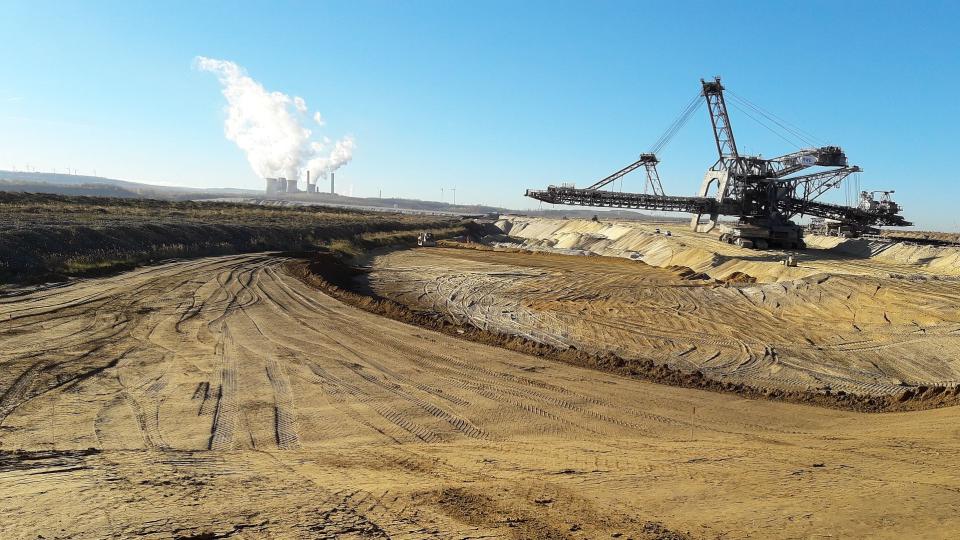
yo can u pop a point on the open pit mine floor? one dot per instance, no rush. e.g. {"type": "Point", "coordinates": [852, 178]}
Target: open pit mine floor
{"type": "Point", "coordinates": [223, 397]}
{"type": "Point", "coordinates": [824, 329]}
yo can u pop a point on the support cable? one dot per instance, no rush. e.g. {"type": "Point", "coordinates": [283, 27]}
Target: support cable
{"type": "Point", "coordinates": [775, 132]}
{"type": "Point", "coordinates": [801, 134]}
{"type": "Point", "coordinates": [677, 124]}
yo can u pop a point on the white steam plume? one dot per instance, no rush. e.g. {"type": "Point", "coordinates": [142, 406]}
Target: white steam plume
{"type": "Point", "coordinates": [267, 126]}
{"type": "Point", "coordinates": [341, 154]}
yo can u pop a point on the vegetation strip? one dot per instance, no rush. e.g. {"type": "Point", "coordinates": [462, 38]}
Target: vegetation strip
{"type": "Point", "coordinates": [52, 237]}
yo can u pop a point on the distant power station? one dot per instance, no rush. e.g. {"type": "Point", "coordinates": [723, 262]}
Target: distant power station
{"type": "Point", "coordinates": [283, 185]}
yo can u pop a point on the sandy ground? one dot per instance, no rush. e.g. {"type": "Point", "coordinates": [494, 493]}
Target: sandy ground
{"type": "Point", "coordinates": [704, 253]}
{"type": "Point", "coordinates": [860, 334]}
{"type": "Point", "coordinates": [223, 397]}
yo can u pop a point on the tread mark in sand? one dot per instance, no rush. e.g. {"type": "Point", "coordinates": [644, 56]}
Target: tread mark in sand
{"type": "Point", "coordinates": [460, 424]}
{"type": "Point", "coordinates": [225, 417]}
{"type": "Point", "coordinates": [203, 394]}
{"type": "Point", "coordinates": [284, 408]}
{"type": "Point", "coordinates": [340, 386]}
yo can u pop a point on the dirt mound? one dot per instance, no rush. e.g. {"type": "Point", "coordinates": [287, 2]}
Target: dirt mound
{"type": "Point", "coordinates": [738, 277]}
{"type": "Point", "coordinates": [687, 273]}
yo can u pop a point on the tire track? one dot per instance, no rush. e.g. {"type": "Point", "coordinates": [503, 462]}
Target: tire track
{"type": "Point", "coordinates": [285, 410]}
{"type": "Point", "coordinates": [225, 416]}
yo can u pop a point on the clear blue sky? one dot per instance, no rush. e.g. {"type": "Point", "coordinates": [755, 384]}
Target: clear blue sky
{"type": "Point", "coordinates": [490, 97]}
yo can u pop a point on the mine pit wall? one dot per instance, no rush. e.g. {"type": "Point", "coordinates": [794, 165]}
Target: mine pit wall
{"type": "Point", "coordinates": [704, 254]}
{"type": "Point", "coordinates": [330, 273]}
{"type": "Point", "coordinates": [943, 260]}
{"type": "Point", "coordinates": [639, 241]}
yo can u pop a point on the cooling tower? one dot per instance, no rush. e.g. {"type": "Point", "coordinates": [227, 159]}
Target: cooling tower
{"type": "Point", "coordinates": [271, 186]}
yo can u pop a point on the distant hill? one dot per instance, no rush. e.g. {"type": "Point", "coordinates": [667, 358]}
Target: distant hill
{"type": "Point", "coordinates": [77, 184]}
{"type": "Point", "coordinates": [82, 179]}
{"type": "Point", "coordinates": [388, 202]}
{"type": "Point", "coordinates": [90, 190]}
{"type": "Point", "coordinates": [71, 179]}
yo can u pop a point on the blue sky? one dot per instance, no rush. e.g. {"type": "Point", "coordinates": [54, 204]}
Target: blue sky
{"type": "Point", "coordinates": [487, 97]}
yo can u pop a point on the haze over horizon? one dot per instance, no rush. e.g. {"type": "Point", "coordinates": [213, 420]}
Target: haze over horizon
{"type": "Point", "coordinates": [489, 98]}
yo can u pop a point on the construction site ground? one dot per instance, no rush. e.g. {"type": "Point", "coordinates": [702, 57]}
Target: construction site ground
{"type": "Point", "coordinates": [837, 322]}
{"type": "Point", "coordinates": [223, 397]}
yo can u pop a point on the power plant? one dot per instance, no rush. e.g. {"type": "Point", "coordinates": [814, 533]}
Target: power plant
{"type": "Point", "coordinates": [272, 185]}
{"type": "Point", "coordinates": [276, 186]}
{"type": "Point", "coordinates": [763, 194]}
{"type": "Point", "coordinates": [281, 185]}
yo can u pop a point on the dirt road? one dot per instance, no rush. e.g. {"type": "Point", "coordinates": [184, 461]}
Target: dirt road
{"type": "Point", "coordinates": [222, 396]}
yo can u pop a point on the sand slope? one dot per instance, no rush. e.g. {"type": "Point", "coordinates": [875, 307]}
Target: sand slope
{"type": "Point", "coordinates": [859, 334]}
{"type": "Point", "coordinates": [703, 253]}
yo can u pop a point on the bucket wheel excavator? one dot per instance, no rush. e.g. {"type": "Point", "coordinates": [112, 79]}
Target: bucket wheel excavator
{"type": "Point", "coordinates": [764, 195]}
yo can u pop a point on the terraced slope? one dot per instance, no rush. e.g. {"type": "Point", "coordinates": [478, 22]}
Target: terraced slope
{"type": "Point", "coordinates": [703, 253]}
{"type": "Point", "coordinates": [862, 334]}
{"type": "Point", "coordinates": [222, 397]}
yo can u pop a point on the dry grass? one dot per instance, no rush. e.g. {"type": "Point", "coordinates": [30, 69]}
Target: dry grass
{"type": "Point", "coordinates": [44, 237]}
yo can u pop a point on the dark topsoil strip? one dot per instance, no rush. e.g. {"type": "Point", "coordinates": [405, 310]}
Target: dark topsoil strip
{"type": "Point", "coordinates": [331, 274]}
{"type": "Point", "coordinates": [46, 238]}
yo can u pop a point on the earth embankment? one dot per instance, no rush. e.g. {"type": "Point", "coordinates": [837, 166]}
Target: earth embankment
{"type": "Point", "coordinates": [51, 237]}
{"type": "Point", "coordinates": [881, 324]}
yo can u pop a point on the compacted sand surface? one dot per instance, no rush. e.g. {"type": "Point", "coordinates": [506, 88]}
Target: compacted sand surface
{"type": "Point", "coordinates": [861, 334]}
{"type": "Point", "coordinates": [222, 397]}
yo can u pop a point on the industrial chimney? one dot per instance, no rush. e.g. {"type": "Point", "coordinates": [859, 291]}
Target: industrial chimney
{"type": "Point", "coordinates": [311, 188]}
{"type": "Point", "coordinates": [332, 192]}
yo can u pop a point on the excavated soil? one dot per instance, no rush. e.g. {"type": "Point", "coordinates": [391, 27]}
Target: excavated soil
{"type": "Point", "coordinates": [226, 397]}
{"type": "Point", "coordinates": [834, 324]}
{"type": "Point", "coordinates": [703, 253]}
